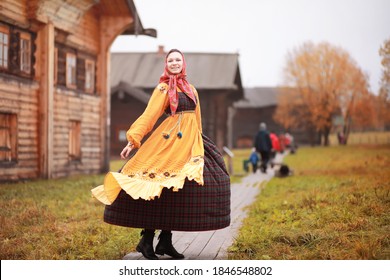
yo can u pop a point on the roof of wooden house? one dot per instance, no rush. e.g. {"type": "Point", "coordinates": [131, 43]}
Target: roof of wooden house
{"type": "Point", "coordinates": [125, 88]}
{"type": "Point", "coordinates": [137, 28]}
{"type": "Point", "coordinates": [213, 71]}
{"type": "Point", "coordinates": [258, 97]}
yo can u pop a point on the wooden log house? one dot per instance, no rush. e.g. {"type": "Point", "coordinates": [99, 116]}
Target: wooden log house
{"type": "Point", "coordinates": [54, 84]}
{"type": "Point", "coordinates": [259, 105]}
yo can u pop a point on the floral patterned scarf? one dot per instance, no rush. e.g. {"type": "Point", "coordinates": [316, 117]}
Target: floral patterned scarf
{"type": "Point", "coordinates": [174, 81]}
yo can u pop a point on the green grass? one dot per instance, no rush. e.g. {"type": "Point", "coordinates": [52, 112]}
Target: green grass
{"type": "Point", "coordinates": [335, 206]}
{"type": "Point", "coordinates": [237, 164]}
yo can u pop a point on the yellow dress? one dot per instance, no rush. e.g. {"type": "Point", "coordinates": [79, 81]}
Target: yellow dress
{"type": "Point", "coordinates": [160, 162]}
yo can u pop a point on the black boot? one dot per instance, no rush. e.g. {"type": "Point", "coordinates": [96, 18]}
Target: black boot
{"type": "Point", "coordinates": [164, 245]}
{"type": "Point", "coordinates": [145, 246]}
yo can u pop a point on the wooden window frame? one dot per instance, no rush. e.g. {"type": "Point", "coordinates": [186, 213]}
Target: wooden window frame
{"type": "Point", "coordinates": [71, 71]}
{"type": "Point", "coordinates": [55, 74]}
{"type": "Point", "coordinates": [25, 52]}
{"type": "Point", "coordinates": [89, 76]}
{"type": "Point", "coordinates": [8, 137]}
{"type": "Point", "coordinates": [74, 140]}
{"type": "Point", "coordinates": [4, 47]}
{"type": "Point", "coordinates": [119, 136]}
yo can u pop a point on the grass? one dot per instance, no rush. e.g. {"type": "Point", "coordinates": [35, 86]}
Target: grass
{"type": "Point", "coordinates": [58, 219]}
{"type": "Point", "coordinates": [336, 206]}
{"type": "Point", "coordinates": [238, 164]}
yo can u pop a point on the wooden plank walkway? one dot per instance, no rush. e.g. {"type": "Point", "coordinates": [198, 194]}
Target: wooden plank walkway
{"type": "Point", "coordinates": [210, 245]}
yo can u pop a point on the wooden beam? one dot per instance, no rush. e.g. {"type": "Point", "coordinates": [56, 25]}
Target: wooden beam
{"type": "Point", "coordinates": [65, 15]}
{"type": "Point", "coordinates": [229, 123]}
{"type": "Point", "coordinates": [220, 121]}
{"type": "Point", "coordinates": [45, 54]}
{"type": "Point", "coordinates": [110, 28]}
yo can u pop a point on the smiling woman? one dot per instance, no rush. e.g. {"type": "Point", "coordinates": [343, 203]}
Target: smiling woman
{"type": "Point", "coordinates": [175, 62]}
{"type": "Point", "coordinates": [177, 179]}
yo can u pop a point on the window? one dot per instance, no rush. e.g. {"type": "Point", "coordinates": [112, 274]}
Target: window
{"type": "Point", "coordinates": [89, 76]}
{"type": "Point", "coordinates": [17, 51]}
{"type": "Point", "coordinates": [4, 45]}
{"type": "Point", "coordinates": [71, 70]}
{"type": "Point", "coordinates": [8, 137]}
{"type": "Point", "coordinates": [25, 53]}
{"type": "Point", "coordinates": [75, 140]}
{"type": "Point", "coordinates": [122, 136]}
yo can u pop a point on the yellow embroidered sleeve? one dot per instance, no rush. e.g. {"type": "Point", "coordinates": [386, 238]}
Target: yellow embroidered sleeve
{"type": "Point", "coordinates": [145, 123]}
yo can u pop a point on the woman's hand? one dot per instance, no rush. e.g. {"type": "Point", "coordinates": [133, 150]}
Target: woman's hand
{"type": "Point", "coordinates": [126, 150]}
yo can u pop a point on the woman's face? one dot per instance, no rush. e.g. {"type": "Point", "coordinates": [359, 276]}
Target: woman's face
{"type": "Point", "coordinates": [175, 62]}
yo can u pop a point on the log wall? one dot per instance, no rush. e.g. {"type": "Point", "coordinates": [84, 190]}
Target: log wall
{"type": "Point", "coordinates": [69, 106]}
{"type": "Point", "coordinates": [44, 106]}
{"type": "Point", "coordinates": [15, 12]}
{"type": "Point", "coordinates": [20, 97]}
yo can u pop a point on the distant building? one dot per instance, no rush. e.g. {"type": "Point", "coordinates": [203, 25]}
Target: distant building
{"type": "Point", "coordinates": [54, 97]}
{"type": "Point", "coordinates": [216, 76]}
{"type": "Point", "coordinates": [258, 105]}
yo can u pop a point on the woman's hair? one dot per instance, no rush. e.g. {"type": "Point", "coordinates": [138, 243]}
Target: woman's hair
{"type": "Point", "coordinates": [174, 50]}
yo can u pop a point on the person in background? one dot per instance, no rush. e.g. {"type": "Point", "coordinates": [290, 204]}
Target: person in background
{"type": "Point", "coordinates": [282, 142]}
{"type": "Point", "coordinates": [287, 140]}
{"type": "Point", "coordinates": [275, 146]}
{"type": "Point", "coordinates": [263, 145]}
{"type": "Point", "coordinates": [254, 160]}
{"type": "Point", "coordinates": [177, 179]}
{"type": "Point", "coordinates": [290, 144]}
{"type": "Point", "coordinates": [341, 138]}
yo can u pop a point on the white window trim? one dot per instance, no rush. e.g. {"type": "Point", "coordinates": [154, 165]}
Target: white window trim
{"type": "Point", "coordinates": [4, 47]}
{"type": "Point", "coordinates": [71, 75]}
{"type": "Point", "coordinates": [89, 76]}
{"type": "Point", "coordinates": [25, 53]}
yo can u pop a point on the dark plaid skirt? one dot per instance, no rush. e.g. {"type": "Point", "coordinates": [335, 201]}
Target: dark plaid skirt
{"type": "Point", "coordinates": [194, 208]}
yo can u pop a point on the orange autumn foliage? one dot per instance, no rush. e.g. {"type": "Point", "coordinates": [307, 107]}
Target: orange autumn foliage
{"type": "Point", "coordinates": [322, 82]}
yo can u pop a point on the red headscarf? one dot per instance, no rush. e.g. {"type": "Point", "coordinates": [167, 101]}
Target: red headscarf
{"type": "Point", "coordinates": [176, 80]}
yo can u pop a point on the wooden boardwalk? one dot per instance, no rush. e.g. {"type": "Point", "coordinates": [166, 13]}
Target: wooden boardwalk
{"type": "Point", "coordinates": [210, 245]}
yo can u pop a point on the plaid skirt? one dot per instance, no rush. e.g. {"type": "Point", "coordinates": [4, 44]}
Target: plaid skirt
{"type": "Point", "coordinates": [193, 208]}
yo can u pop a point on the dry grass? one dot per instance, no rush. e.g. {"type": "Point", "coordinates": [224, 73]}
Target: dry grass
{"type": "Point", "coordinates": [58, 219]}
{"type": "Point", "coordinates": [336, 206]}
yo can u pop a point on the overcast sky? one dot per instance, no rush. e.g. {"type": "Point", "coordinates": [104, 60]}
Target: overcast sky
{"type": "Point", "coordinates": [263, 31]}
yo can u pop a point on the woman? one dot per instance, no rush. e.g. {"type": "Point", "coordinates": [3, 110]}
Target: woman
{"type": "Point", "coordinates": [177, 180]}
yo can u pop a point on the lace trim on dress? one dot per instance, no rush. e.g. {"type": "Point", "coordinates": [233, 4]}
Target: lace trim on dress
{"type": "Point", "coordinates": [148, 185]}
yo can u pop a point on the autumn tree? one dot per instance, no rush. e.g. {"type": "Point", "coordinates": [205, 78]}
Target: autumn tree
{"type": "Point", "coordinates": [384, 91]}
{"type": "Point", "coordinates": [324, 82]}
